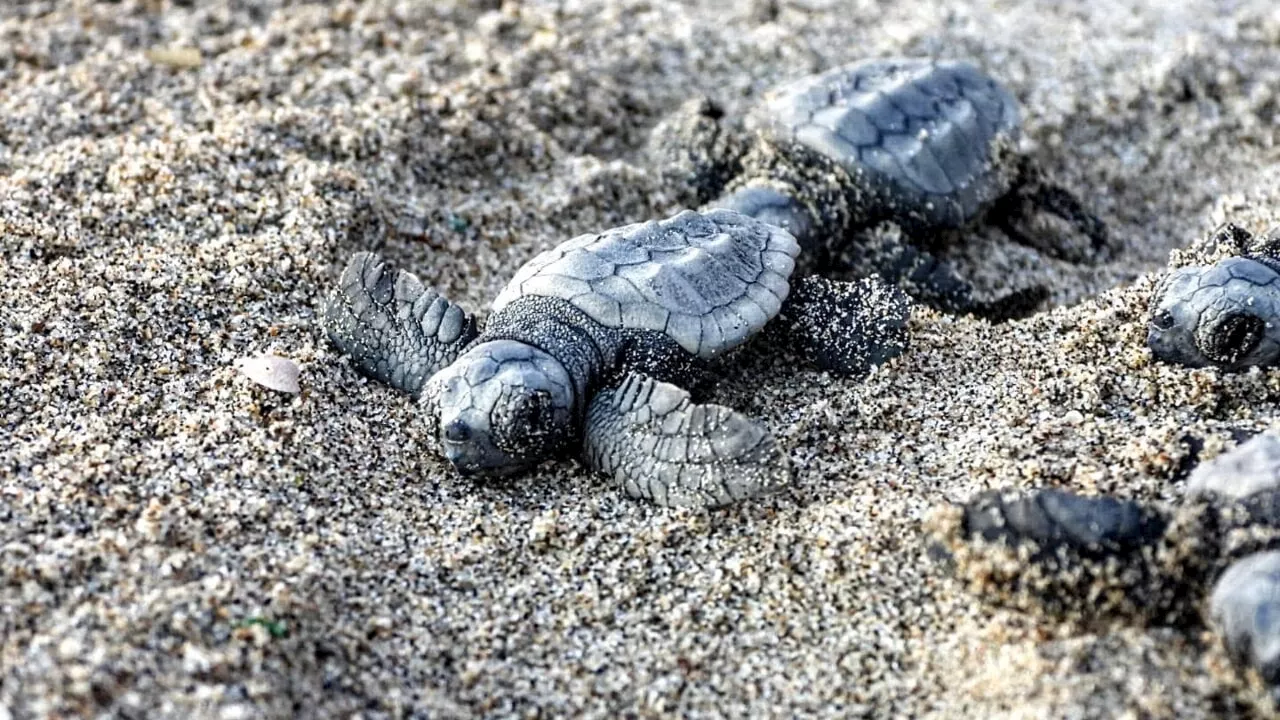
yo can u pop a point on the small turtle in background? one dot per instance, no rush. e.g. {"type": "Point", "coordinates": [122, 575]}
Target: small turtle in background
{"type": "Point", "coordinates": [1224, 315]}
{"type": "Point", "coordinates": [927, 145]}
{"type": "Point", "coordinates": [1104, 559]}
{"type": "Point", "coordinates": [590, 348]}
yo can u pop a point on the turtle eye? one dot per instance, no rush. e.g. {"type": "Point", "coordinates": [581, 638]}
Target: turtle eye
{"type": "Point", "coordinates": [1162, 320]}
{"type": "Point", "coordinates": [1233, 337]}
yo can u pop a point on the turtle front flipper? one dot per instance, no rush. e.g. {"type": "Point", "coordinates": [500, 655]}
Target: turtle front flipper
{"type": "Point", "coordinates": [846, 327]}
{"type": "Point", "coordinates": [660, 446]}
{"type": "Point", "coordinates": [393, 328]}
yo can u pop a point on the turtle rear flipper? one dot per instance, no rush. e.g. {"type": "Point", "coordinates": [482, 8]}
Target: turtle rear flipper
{"type": "Point", "coordinates": [1266, 245]}
{"type": "Point", "coordinates": [846, 327]}
{"type": "Point", "coordinates": [1033, 194]}
{"type": "Point", "coordinates": [934, 282]}
{"type": "Point", "coordinates": [660, 446]}
{"type": "Point", "coordinates": [394, 329]}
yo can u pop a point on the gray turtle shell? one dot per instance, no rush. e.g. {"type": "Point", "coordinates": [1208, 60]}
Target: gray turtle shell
{"type": "Point", "coordinates": [706, 280]}
{"type": "Point", "coordinates": [918, 132]}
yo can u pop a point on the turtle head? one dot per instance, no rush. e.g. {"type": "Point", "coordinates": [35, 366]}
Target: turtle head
{"type": "Point", "coordinates": [1217, 315]}
{"type": "Point", "coordinates": [501, 407]}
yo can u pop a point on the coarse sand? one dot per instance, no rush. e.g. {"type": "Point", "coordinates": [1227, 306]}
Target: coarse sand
{"type": "Point", "coordinates": [181, 182]}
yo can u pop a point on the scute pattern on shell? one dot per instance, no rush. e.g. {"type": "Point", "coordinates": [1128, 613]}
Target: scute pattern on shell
{"type": "Point", "coordinates": [707, 280]}
{"type": "Point", "coordinates": [919, 131]}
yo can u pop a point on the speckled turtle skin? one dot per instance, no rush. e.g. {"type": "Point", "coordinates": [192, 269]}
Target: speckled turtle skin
{"type": "Point", "coordinates": [592, 347]}
{"type": "Point", "coordinates": [925, 144]}
{"type": "Point", "coordinates": [1224, 315]}
{"type": "Point", "coordinates": [1214, 558]}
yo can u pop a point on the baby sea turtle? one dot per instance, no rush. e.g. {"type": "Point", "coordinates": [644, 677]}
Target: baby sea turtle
{"type": "Point", "coordinates": [591, 344]}
{"type": "Point", "coordinates": [1226, 314]}
{"type": "Point", "coordinates": [928, 145]}
{"type": "Point", "coordinates": [1092, 559]}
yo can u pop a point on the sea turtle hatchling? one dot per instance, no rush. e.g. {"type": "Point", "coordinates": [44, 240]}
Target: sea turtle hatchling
{"type": "Point", "coordinates": [1105, 559]}
{"type": "Point", "coordinates": [1225, 315]}
{"type": "Point", "coordinates": [592, 343]}
{"type": "Point", "coordinates": [928, 145]}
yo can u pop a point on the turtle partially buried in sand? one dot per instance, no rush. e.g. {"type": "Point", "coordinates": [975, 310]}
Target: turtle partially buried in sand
{"type": "Point", "coordinates": [591, 345]}
{"type": "Point", "coordinates": [1225, 314]}
{"type": "Point", "coordinates": [1215, 558]}
{"type": "Point", "coordinates": [929, 146]}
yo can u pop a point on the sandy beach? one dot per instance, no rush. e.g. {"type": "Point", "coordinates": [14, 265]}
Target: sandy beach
{"type": "Point", "coordinates": [182, 182]}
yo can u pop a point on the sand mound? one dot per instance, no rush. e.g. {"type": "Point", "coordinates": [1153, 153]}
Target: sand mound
{"type": "Point", "coordinates": [181, 182]}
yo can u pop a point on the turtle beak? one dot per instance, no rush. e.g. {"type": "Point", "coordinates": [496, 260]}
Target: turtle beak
{"type": "Point", "coordinates": [467, 462]}
{"type": "Point", "coordinates": [467, 466]}
{"type": "Point", "coordinates": [471, 453]}
{"type": "Point", "coordinates": [456, 454]}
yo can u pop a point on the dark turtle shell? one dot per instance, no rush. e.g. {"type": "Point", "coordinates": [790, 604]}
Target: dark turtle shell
{"type": "Point", "coordinates": [920, 135]}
